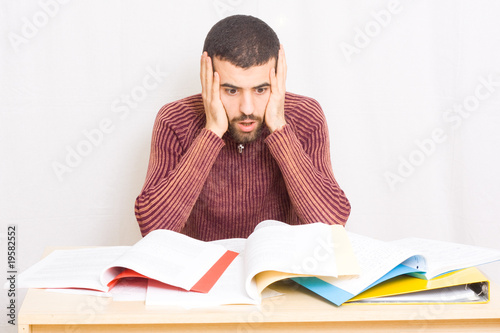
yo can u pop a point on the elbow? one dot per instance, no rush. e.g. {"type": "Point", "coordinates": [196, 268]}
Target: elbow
{"type": "Point", "coordinates": [139, 215]}
{"type": "Point", "coordinates": [343, 211]}
{"type": "Point", "coordinates": [151, 215]}
{"type": "Point", "coordinates": [345, 216]}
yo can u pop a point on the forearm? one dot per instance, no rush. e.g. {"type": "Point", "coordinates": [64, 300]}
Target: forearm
{"type": "Point", "coordinates": [314, 192]}
{"type": "Point", "coordinates": [168, 202]}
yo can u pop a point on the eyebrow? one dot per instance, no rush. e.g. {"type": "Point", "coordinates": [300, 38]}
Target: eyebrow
{"type": "Point", "coordinates": [229, 85]}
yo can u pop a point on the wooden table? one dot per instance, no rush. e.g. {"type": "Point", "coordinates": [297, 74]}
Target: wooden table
{"type": "Point", "coordinates": [298, 310]}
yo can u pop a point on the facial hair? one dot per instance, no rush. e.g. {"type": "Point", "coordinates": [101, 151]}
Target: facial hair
{"type": "Point", "coordinates": [242, 137]}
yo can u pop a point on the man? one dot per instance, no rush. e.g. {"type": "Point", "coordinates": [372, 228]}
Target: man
{"type": "Point", "coordinates": [244, 150]}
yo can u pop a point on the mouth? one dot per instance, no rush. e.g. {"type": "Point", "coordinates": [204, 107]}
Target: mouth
{"type": "Point", "coordinates": [247, 125]}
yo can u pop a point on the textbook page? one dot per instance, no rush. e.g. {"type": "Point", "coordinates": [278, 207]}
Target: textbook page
{"type": "Point", "coordinates": [125, 290]}
{"type": "Point", "coordinates": [442, 257]}
{"type": "Point", "coordinates": [298, 249]}
{"type": "Point", "coordinates": [130, 290]}
{"type": "Point", "coordinates": [376, 258]}
{"type": "Point", "coordinates": [345, 259]}
{"type": "Point", "coordinates": [347, 263]}
{"type": "Point", "coordinates": [79, 268]}
{"type": "Point", "coordinates": [168, 257]}
{"type": "Point", "coordinates": [229, 289]}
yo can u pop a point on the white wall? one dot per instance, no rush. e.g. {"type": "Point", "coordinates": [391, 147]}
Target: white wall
{"type": "Point", "coordinates": [390, 76]}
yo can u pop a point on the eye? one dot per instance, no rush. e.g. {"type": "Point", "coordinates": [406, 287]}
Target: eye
{"type": "Point", "coordinates": [231, 91]}
{"type": "Point", "coordinates": [260, 91]}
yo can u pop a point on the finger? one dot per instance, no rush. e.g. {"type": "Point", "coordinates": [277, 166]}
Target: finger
{"type": "Point", "coordinates": [215, 87]}
{"type": "Point", "coordinates": [285, 67]}
{"type": "Point", "coordinates": [202, 65]}
{"type": "Point", "coordinates": [203, 70]}
{"type": "Point", "coordinates": [272, 77]}
{"type": "Point", "coordinates": [282, 69]}
{"type": "Point", "coordinates": [208, 76]}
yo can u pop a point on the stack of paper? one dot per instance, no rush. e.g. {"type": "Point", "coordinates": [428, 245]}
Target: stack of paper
{"type": "Point", "coordinates": [183, 271]}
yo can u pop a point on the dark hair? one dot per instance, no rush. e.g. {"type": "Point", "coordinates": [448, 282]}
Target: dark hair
{"type": "Point", "coordinates": [244, 41]}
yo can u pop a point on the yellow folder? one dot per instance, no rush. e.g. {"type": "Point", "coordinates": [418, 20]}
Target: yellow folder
{"type": "Point", "coordinates": [470, 279]}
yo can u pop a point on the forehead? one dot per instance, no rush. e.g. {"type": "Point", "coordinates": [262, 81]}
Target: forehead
{"type": "Point", "coordinates": [243, 77]}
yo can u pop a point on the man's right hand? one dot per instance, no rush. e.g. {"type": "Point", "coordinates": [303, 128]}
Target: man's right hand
{"type": "Point", "coordinates": [216, 115]}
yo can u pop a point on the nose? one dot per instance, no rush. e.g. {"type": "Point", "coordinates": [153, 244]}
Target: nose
{"type": "Point", "coordinates": [246, 104]}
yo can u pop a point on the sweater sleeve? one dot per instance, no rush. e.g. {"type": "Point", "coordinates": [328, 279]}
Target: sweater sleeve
{"type": "Point", "coordinates": [308, 174]}
{"type": "Point", "coordinates": [174, 179]}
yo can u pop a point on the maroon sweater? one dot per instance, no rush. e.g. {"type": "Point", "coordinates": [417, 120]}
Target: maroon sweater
{"type": "Point", "coordinates": [200, 185]}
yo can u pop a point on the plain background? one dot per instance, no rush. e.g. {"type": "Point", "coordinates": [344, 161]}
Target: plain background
{"type": "Point", "coordinates": [410, 89]}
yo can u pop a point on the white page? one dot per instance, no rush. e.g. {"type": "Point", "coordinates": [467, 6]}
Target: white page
{"type": "Point", "coordinates": [232, 244]}
{"type": "Point", "coordinates": [169, 257]}
{"type": "Point", "coordinates": [78, 268]}
{"type": "Point", "coordinates": [375, 257]}
{"type": "Point", "coordinates": [299, 249]}
{"type": "Point", "coordinates": [76, 291]}
{"type": "Point", "coordinates": [270, 223]}
{"type": "Point", "coordinates": [131, 289]}
{"type": "Point", "coordinates": [442, 257]}
{"type": "Point", "coordinates": [125, 290]}
{"type": "Point", "coordinates": [229, 289]}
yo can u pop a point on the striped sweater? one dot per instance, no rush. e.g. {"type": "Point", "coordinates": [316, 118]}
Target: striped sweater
{"type": "Point", "coordinates": [200, 185]}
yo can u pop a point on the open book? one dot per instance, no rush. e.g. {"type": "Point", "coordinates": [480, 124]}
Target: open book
{"type": "Point", "coordinates": [162, 255]}
{"type": "Point", "coordinates": [380, 261]}
{"type": "Point", "coordinates": [234, 270]}
{"type": "Point", "coordinates": [274, 251]}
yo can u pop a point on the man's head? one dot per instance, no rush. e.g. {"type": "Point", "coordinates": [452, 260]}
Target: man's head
{"type": "Point", "coordinates": [243, 50]}
{"type": "Point", "coordinates": [244, 41]}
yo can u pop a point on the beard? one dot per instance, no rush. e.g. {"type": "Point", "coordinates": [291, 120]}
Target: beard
{"type": "Point", "coordinates": [245, 137]}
